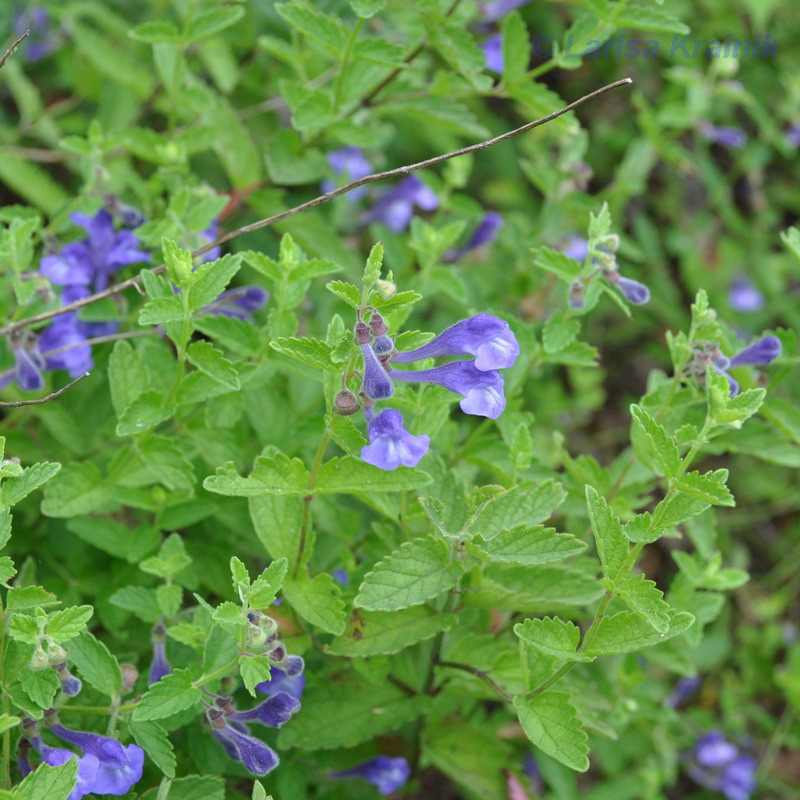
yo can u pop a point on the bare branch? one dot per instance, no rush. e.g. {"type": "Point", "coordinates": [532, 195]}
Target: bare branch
{"type": "Point", "coordinates": [478, 673]}
{"type": "Point", "coordinates": [13, 49]}
{"type": "Point", "coordinates": [52, 396]}
{"type": "Point", "coordinates": [323, 198]}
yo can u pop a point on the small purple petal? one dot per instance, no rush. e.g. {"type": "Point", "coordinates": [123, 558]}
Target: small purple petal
{"type": "Point", "coordinates": [387, 774]}
{"type": "Point", "coordinates": [576, 247]}
{"type": "Point", "coordinates": [274, 712]}
{"type": "Point", "coordinates": [341, 576]}
{"type": "Point", "coordinates": [391, 445]}
{"type": "Point", "coordinates": [762, 352]}
{"type": "Point", "coordinates": [745, 297]}
{"type": "Point", "coordinates": [499, 8]}
{"type": "Point", "coordinates": [493, 51]}
{"type": "Point", "coordinates": [377, 383]}
{"type": "Point", "coordinates": [713, 751]}
{"type": "Point", "coordinates": [637, 293]}
{"type": "Point", "coordinates": [257, 757]}
{"type": "Point", "coordinates": [160, 666]}
{"type": "Point", "coordinates": [280, 681]}
{"type": "Point", "coordinates": [728, 137]}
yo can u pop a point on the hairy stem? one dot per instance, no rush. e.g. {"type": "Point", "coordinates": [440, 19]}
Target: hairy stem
{"type": "Point", "coordinates": [305, 523]}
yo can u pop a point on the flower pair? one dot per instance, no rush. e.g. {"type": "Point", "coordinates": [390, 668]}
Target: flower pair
{"type": "Point", "coordinates": [720, 766]}
{"type": "Point", "coordinates": [479, 383]}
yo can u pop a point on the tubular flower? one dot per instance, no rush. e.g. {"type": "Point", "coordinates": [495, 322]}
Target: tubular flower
{"type": "Point", "coordinates": [390, 443]}
{"type": "Point", "coordinates": [387, 774]}
{"type": "Point", "coordinates": [282, 682]}
{"type": "Point", "coordinates": [720, 766]}
{"type": "Point", "coordinates": [349, 164]}
{"type": "Point", "coordinates": [760, 353]}
{"type": "Point", "coordinates": [88, 766]}
{"type": "Point", "coordinates": [258, 758]}
{"type": "Point", "coordinates": [396, 207]}
{"type": "Point", "coordinates": [273, 712]}
{"type": "Point", "coordinates": [744, 297]}
{"type": "Point", "coordinates": [29, 362]}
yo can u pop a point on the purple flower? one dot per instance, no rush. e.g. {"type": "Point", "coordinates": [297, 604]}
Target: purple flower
{"type": "Point", "coordinates": [91, 261]}
{"type": "Point", "coordinates": [70, 685]}
{"type": "Point", "coordinates": [88, 766]}
{"type": "Point", "coordinates": [257, 757]}
{"type": "Point", "coordinates": [239, 302]}
{"type": "Point", "coordinates": [387, 774]}
{"type": "Point", "coordinates": [485, 233]}
{"type": "Point", "coordinates": [160, 666]}
{"type": "Point", "coordinates": [41, 41]}
{"type": "Point", "coordinates": [484, 336]}
{"type": "Point", "coordinates": [30, 363]}
{"type": "Point", "coordinates": [209, 235]}
{"type": "Point", "coordinates": [119, 767]}
{"type": "Point", "coordinates": [576, 247]}
{"type": "Point", "coordinates": [349, 164]}
{"type": "Point", "coordinates": [282, 682]}
{"type": "Point", "coordinates": [396, 207]}
{"type": "Point", "coordinates": [760, 353]}
{"type": "Point", "coordinates": [493, 51]}
{"type": "Point", "coordinates": [499, 8]}
{"type": "Point", "coordinates": [64, 334]}
{"type": "Point", "coordinates": [341, 577]}
{"type": "Point", "coordinates": [744, 296]}
{"type": "Point", "coordinates": [793, 135]}
{"type": "Point", "coordinates": [377, 384]}
{"type": "Point", "coordinates": [720, 766]}
{"type": "Point", "coordinates": [637, 293]}
{"type": "Point", "coordinates": [274, 712]}
{"type": "Point", "coordinates": [728, 137]}
{"type": "Point", "coordinates": [390, 443]}
{"type": "Point", "coordinates": [482, 390]}
{"type": "Point", "coordinates": [684, 689]}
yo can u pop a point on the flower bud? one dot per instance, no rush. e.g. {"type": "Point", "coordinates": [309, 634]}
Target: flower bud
{"type": "Point", "coordinates": [377, 327]}
{"type": "Point", "coordinates": [382, 344]}
{"type": "Point", "coordinates": [70, 685]}
{"type": "Point", "coordinates": [345, 403]}
{"type": "Point", "coordinates": [386, 289]}
{"type": "Point", "coordinates": [576, 295]}
{"type": "Point", "coordinates": [129, 676]}
{"type": "Point", "coordinates": [362, 335]}
{"type": "Point", "coordinates": [39, 659]}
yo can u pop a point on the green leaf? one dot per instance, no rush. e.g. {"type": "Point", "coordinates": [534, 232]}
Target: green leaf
{"type": "Point", "coordinates": [676, 510]}
{"type": "Point", "coordinates": [612, 546]}
{"type": "Point", "coordinates": [259, 793]}
{"type": "Point", "coordinates": [627, 632]}
{"type": "Point", "coordinates": [77, 489]}
{"type": "Point", "coordinates": [67, 624]}
{"type": "Point", "coordinates": [41, 686]}
{"type": "Point", "coordinates": [153, 739]}
{"type": "Point", "coordinates": [641, 529]}
{"type": "Point", "coordinates": [318, 601]}
{"type": "Point", "coordinates": [207, 23]}
{"type": "Point", "coordinates": [527, 504]}
{"type": "Point", "coordinates": [127, 376]}
{"type": "Point", "coordinates": [238, 335]}
{"type": "Point", "coordinates": [527, 545]}
{"type": "Point", "coordinates": [254, 670]}
{"type": "Point", "coordinates": [166, 461]}
{"type": "Point", "coordinates": [8, 722]}
{"type": "Point", "coordinates": [345, 291]}
{"type": "Point", "coordinates": [651, 19]}
{"type": "Point", "coordinates": [266, 586]}
{"type": "Point", "coordinates": [556, 262]}
{"type": "Point", "coordinates": [169, 597]}
{"type": "Point", "coordinates": [213, 363]}
{"type": "Point", "coordinates": [371, 633]}
{"type": "Point", "coordinates": [351, 475]}
{"type": "Point", "coordinates": [160, 310]}
{"type": "Point", "coordinates": [418, 571]}
{"type": "Point", "coordinates": [276, 521]}
{"type": "Point", "coordinates": [551, 723]}
{"type": "Point", "coordinates": [24, 597]}
{"type": "Point", "coordinates": [707, 488]}
{"type": "Point", "coordinates": [53, 783]}
{"type": "Point", "coordinates": [15, 489]}
{"type": "Point", "coordinates": [144, 412]}
{"type": "Point", "coordinates": [23, 628]}
{"type": "Point", "coordinates": [171, 558]}
{"type": "Point", "coordinates": [173, 693]}
{"type": "Point", "coordinates": [160, 31]}
{"type": "Point", "coordinates": [642, 596]}
{"type": "Point", "coordinates": [96, 664]}
{"type": "Point", "coordinates": [324, 29]}
{"type": "Point", "coordinates": [339, 715]}
{"type": "Point", "coordinates": [193, 787]}
{"type": "Point", "coordinates": [276, 475]}
{"type": "Point", "coordinates": [559, 331]}
{"type": "Point", "coordinates": [211, 279]}
{"type": "Point", "coordinates": [313, 352]}
{"type": "Point", "coordinates": [660, 445]}
{"type": "Point", "coordinates": [114, 538]}
{"type": "Point", "coordinates": [552, 636]}
{"type": "Point", "coordinates": [365, 9]}
{"type": "Point", "coordinates": [516, 47]}
{"type": "Point", "coordinates": [139, 601]}
{"type": "Point", "coordinates": [312, 268]}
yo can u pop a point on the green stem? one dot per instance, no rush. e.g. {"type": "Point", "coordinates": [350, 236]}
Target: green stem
{"type": "Point", "coordinates": [340, 79]}
{"type": "Point", "coordinates": [305, 523]}
{"type": "Point", "coordinates": [5, 703]}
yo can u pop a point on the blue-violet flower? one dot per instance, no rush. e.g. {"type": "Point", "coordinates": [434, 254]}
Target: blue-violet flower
{"type": "Point", "coordinates": [387, 774]}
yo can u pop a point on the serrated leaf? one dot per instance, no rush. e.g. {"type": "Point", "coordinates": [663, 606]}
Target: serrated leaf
{"type": "Point", "coordinates": [173, 693]}
{"type": "Point", "coordinates": [169, 597]}
{"type": "Point", "coordinates": [371, 633]}
{"type": "Point", "coordinates": [556, 262]}
{"type": "Point", "coordinates": [627, 632]}
{"type": "Point", "coordinates": [612, 546]}
{"type": "Point", "coordinates": [516, 47]}
{"type": "Point", "coordinates": [559, 331]}
{"type": "Point", "coordinates": [171, 558]}
{"type": "Point", "coordinates": [276, 475]}
{"type": "Point", "coordinates": [8, 722]}
{"type": "Point", "coordinates": [527, 545]}
{"type": "Point", "coordinates": [317, 600]}
{"type": "Point", "coordinates": [361, 713]}
{"type": "Point", "coordinates": [324, 29]}
{"type": "Point", "coordinates": [213, 363]}
{"type": "Point", "coordinates": [159, 31]}
{"type": "Point", "coordinates": [212, 21]}
{"type": "Point", "coordinates": [127, 376]}
{"type": "Point", "coordinates": [265, 587]}
{"type": "Point", "coordinates": [253, 671]}
{"type": "Point", "coordinates": [708, 488]}
{"type": "Point", "coordinates": [660, 444]}
{"type": "Point", "coordinates": [145, 412]}
{"type": "Point", "coordinates": [24, 597]}
{"type": "Point", "coordinates": [417, 571]}
{"type": "Point", "coordinates": [161, 310]}
{"type": "Point", "coordinates": [67, 624]}
{"type": "Point", "coordinates": [193, 787]}
{"type": "Point", "coordinates": [276, 521]}
{"type": "Point", "coordinates": [166, 461]}
{"type": "Point", "coordinates": [211, 279]}
{"type": "Point", "coordinates": [551, 723]}
{"type": "Point", "coordinates": [95, 664]}
{"type": "Point", "coordinates": [652, 19]}
{"type": "Point", "coordinates": [676, 509]}
{"type": "Point", "coordinates": [641, 529]}
{"type": "Point", "coordinates": [312, 268]}
{"type": "Point", "coordinates": [527, 504]}
{"type": "Point", "coordinates": [53, 783]}
{"type": "Point", "coordinates": [23, 628]}
{"type": "Point", "coordinates": [41, 686]}
{"type": "Point", "coordinates": [642, 596]}
{"type": "Point", "coordinates": [552, 636]}
{"type": "Point", "coordinates": [77, 489]}
{"type": "Point", "coordinates": [313, 352]}
{"type": "Point", "coordinates": [139, 600]}
{"type": "Point", "coordinates": [15, 489]}
{"type": "Point", "coordinates": [345, 291]}
{"type": "Point", "coordinates": [349, 474]}
{"type": "Point", "coordinates": [153, 739]}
